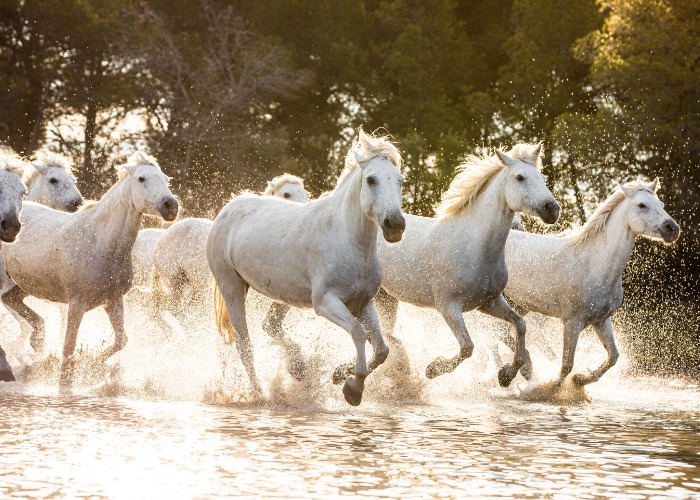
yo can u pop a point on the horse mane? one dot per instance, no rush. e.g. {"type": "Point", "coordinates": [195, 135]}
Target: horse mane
{"type": "Point", "coordinates": [136, 159]}
{"type": "Point", "coordinates": [12, 163]}
{"type": "Point", "coordinates": [596, 224]}
{"type": "Point", "coordinates": [280, 181]}
{"type": "Point", "coordinates": [477, 171]}
{"type": "Point", "coordinates": [369, 146]}
{"type": "Point", "coordinates": [47, 159]}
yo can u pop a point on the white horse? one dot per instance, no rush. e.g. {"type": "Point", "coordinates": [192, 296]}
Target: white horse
{"type": "Point", "coordinates": [578, 277]}
{"type": "Point", "coordinates": [179, 259]}
{"type": "Point", "coordinates": [12, 191]}
{"type": "Point", "coordinates": [84, 258]}
{"type": "Point", "coordinates": [50, 182]}
{"type": "Point", "coordinates": [455, 262]}
{"type": "Point", "coordinates": [321, 254]}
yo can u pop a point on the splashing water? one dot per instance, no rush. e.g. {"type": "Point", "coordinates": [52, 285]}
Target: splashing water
{"type": "Point", "coordinates": [173, 416]}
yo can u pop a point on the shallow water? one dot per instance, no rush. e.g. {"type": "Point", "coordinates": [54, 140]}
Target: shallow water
{"type": "Point", "coordinates": [459, 435]}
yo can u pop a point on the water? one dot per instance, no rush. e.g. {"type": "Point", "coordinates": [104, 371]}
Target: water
{"type": "Point", "coordinates": [457, 436]}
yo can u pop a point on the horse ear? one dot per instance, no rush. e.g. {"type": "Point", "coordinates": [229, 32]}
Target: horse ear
{"type": "Point", "coordinates": [538, 150]}
{"type": "Point", "coordinates": [359, 158]}
{"type": "Point", "coordinates": [40, 168]}
{"type": "Point", "coordinates": [629, 192]}
{"type": "Point", "coordinates": [270, 185]}
{"type": "Point", "coordinates": [505, 159]}
{"type": "Point", "coordinates": [654, 185]}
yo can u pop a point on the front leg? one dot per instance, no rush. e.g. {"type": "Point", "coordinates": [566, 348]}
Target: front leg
{"type": "Point", "coordinates": [6, 374]}
{"type": "Point", "coordinates": [499, 308]}
{"type": "Point", "coordinates": [333, 309]}
{"type": "Point", "coordinates": [76, 311]}
{"type": "Point", "coordinates": [115, 312]}
{"type": "Point", "coordinates": [452, 314]}
{"type": "Point", "coordinates": [604, 330]}
{"type": "Point", "coordinates": [572, 330]}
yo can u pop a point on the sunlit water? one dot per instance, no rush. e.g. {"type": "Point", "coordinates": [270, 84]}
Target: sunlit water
{"type": "Point", "coordinates": [182, 424]}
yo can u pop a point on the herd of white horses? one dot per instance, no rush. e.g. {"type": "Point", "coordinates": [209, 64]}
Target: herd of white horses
{"type": "Point", "coordinates": [351, 255]}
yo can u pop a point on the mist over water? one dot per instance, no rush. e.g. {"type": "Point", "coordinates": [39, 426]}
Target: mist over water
{"type": "Point", "coordinates": [172, 416]}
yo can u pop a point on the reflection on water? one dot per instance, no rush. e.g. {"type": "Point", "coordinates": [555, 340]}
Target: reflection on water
{"type": "Point", "coordinates": [647, 445]}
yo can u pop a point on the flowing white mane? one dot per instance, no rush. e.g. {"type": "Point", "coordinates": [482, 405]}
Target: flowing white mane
{"type": "Point", "coordinates": [474, 175]}
{"type": "Point", "coordinates": [12, 163]}
{"type": "Point", "coordinates": [280, 181]}
{"type": "Point", "coordinates": [596, 224]}
{"type": "Point", "coordinates": [369, 146]}
{"type": "Point", "coordinates": [47, 159]}
{"type": "Point", "coordinates": [138, 158]}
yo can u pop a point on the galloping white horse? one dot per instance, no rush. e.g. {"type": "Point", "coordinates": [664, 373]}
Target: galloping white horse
{"type": "Point", "coordinates": [455, 262]}
{"type": "Point", "coordinates": [142, 255]}
{"type": "Point", "coordinates": [321, 254]}
{"type": "Point", "coordinates": [50, 182]}
{"type": "Point", "coordinates": [578, 277]}
{"type": "Point", "coordinates": [84, 258]}
{"type": "Point", "coordinates": [12, 191]}
{"type": "Point", "coordinates": [180, 255]}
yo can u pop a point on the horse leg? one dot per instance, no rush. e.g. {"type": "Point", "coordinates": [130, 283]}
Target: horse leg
{"type": "Point", "coordinates": [605, 334]}
{"type": "Point", "coordinates": [370, 322]}
{"type": "Point", "coordinates": [273, 327]}
{"type": "Point", "coordinates": [572, 330]}
{"type": "Point", "coordinates": [499, 308]}
{"type": "Point", "coordinates": [115, 312]}
{"type": "Point", "coordinates": [14, 298]}
{"type": "Point", "coordinates": [234, 290]}
{"type": "Point", "coordinates": [333, 309]}
{"type": "Point", "coordinates": [160, 302]}
{"type": "Point", "coordinates": [452, 314]}
{"type": "Point", "coordinates": [387, 307]}
{"type": "Point", "coordinates": [6, 374]}
{"type": "Point", "coordinates": [76, 311]}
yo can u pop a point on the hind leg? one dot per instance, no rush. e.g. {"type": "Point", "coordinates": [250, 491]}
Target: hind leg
{"type": "Point", "coordinates": [234, 290]}
{"type": "Point", "coordinates": [5, 368]}
{"type": "Point", "coordinates": [387, 307]}
{"type": "Point", "coordinates": [604, 331]}
{"type": "Point", "coordinates": [572, 330]}
{"type": "Point", "coordinates": [499, 308]}
{"type": "Point", "coordinates": [76, 311]}
{"type": "Point", "coordinates": [273, 327]}
{"type": "Point", "coordinates": [14, 298]}
{"type": "Point", "coordinates": [452, 314]}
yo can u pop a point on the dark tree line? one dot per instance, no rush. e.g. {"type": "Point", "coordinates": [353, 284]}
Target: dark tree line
{"type": "Point", "coordinates": [227, 93]}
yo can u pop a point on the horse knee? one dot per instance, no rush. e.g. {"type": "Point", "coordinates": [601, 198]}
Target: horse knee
{"type": "Point", "coordinates": [520, 325]}
{"type": "Point", "coordinates": [613, 356]}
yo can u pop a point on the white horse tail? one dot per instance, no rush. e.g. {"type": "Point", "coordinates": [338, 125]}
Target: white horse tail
{"type": "Point", "coordinates": [223, 322]}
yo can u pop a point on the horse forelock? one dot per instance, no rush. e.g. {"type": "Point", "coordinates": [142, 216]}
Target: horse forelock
{"type": "Point", "coordinates": [597, 222]}
{"type": "Point", "coordinates": [13, 163]}
{"type": "Point", "coordinates": [477, 171]}
{"type": "Point", "coordinates": [369, 147]}
{"type": "Point", "coordinates": [49, 160]}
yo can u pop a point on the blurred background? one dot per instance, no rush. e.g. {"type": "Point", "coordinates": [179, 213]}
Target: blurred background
{"type": "Point", "coordinates": [227, 94]}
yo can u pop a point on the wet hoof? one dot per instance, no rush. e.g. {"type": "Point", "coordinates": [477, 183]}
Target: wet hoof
{"type": "Point", "coordinates": [580, 379]}
{"type": "Point", "coordinates": [352, 396]}
{"type": "Point", "coordinates": [7, 376]}
{"type": "Point", "coordinates": [297, 369]}
{"type": "Point", "coordinates": [506, 375]}
{"type": "Point", "coordinates": [438, 366]}
{"type": "Point", "coordinates": [342, 372]}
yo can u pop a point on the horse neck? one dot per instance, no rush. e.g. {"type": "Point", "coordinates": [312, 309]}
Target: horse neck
{"type": "Point", "coordinates": [489, 216]}
{"type": "Point", "coordinates": [118, 219]}
{"type": "Point", "coordinates": [345, 203]}
{"type": "Point", "coordinates": [615, 244]}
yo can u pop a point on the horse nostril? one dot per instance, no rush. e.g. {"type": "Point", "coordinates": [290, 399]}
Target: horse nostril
{"type": "Point", "coordinates": [549, 207]}
{"type": "Point", "coordinates": [395, 224]}
{"type": "Point", "coordinates": [670, 226]}
{"type": "Point", "coordinates": [3, 225]}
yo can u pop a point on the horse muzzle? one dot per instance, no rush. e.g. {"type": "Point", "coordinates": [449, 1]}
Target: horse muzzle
{"type": "Point", "coordinates": [393, 228]}
{"type": "Point", "coordinates": [9, 228]}
{"type": "Point", "coordinates": [670, 231]}
{"type": "Point", "coordinates": [74, 204]}
{"type": "Point", "coordinates": [549, 213]}
{"type": "Point", "coordinates": [169, 208]}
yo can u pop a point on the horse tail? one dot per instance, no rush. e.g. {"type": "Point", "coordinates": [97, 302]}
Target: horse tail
{"type": "Point", "coordinates": [223, 322]}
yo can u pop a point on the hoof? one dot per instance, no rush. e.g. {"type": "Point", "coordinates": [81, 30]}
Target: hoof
{"type": "Point", "coordinates": [579, 380]}
{"type": "Point", "coordinates": [526, 369]}
{"type": "Point", "coordinates": [436, 367]}
{"type": "Point", "coordinates": [506, 375]}
{"type": "Point", "coordinates": [7, 376]}
{"type": "Point", "coordinates": [352, 396]}
{"type": "Point", "coordinates": [341, 373]}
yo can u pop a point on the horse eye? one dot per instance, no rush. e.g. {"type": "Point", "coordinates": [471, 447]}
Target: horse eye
{"type": "Point", "coordinates": [642, 205]}
{"type": "Point", "coordinates": [519, 178]}
{"type": "Point", "coordinates": [53, 180]}
{"type": "Point", "coordinates": [286, 195]}
{"type": "Point", "coordinates": [371, 181]}
{"type": "Point", "coordinates": [142, 179]}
